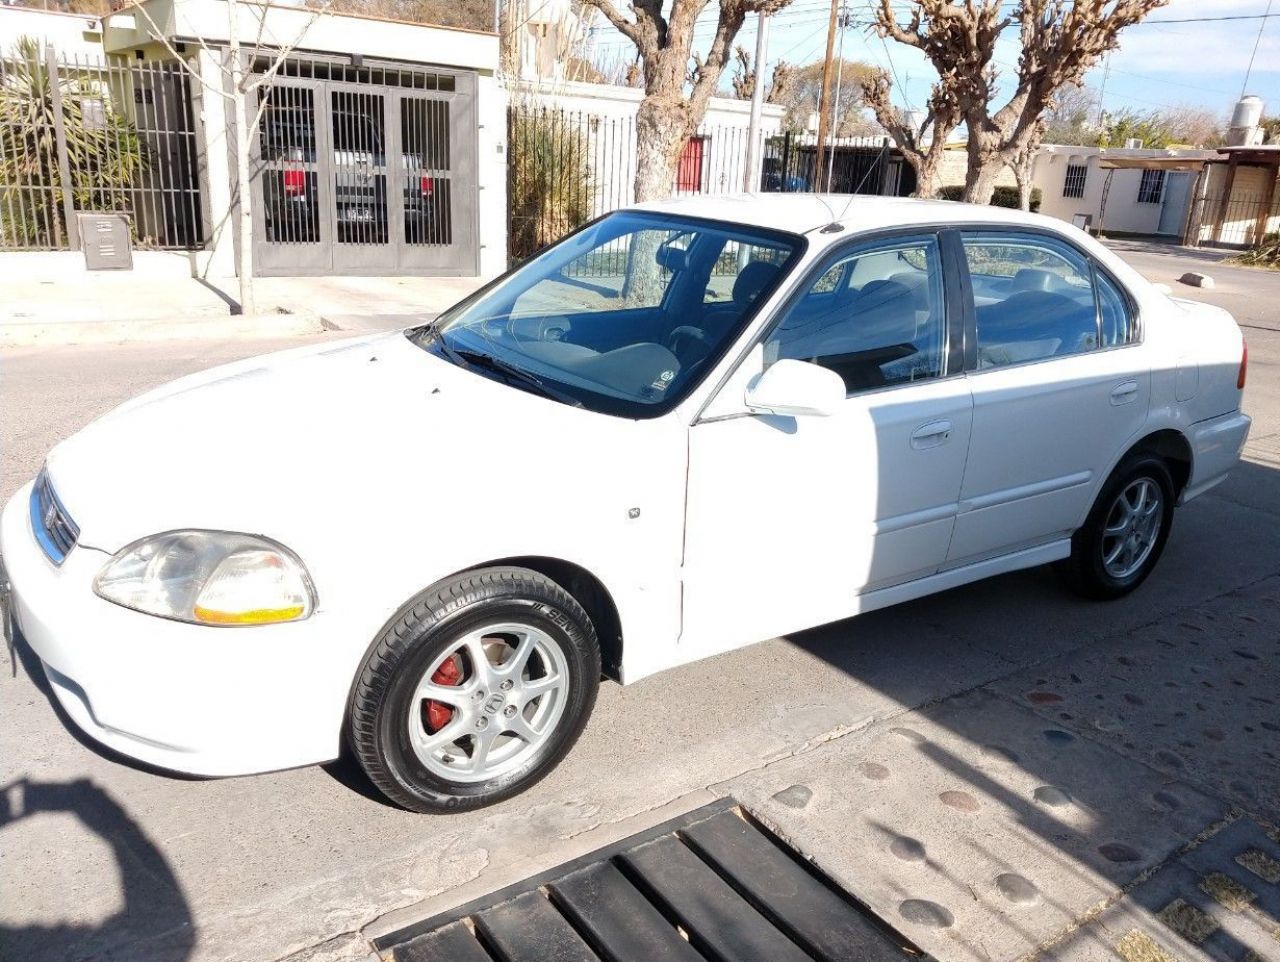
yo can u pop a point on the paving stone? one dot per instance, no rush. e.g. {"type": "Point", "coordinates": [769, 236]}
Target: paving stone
{"type": "Point", "coordinates": [1006, 869]}
{"type": "Point", "coordinates": [1171, 912]}
{"type": "Point", "coordinates": [1197, 696]}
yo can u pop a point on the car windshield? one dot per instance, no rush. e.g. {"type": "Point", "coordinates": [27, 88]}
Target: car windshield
{"type": "Point", "coordinates": [623, 317]}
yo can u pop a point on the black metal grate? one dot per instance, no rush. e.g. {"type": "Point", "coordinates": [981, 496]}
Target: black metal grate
{"type": "Point", "coordinates": [711, 885]}
{"type": "Point", "coordinates": [50, 522]}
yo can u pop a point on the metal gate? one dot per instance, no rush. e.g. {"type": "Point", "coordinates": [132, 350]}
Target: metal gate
{"type": "Point", "coordinates": [365, 170]}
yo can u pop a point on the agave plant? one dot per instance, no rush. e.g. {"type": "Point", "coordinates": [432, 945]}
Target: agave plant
{"type": "Point", "coordinates": [105, 156]}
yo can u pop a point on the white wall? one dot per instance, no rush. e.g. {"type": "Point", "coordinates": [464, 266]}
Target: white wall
{"type": "Point", "coordinates": [74, 35]}
{"type": "Point", "coordinates": [491, 174]}
{"type": "Point", "coordinates": [1124, 214]}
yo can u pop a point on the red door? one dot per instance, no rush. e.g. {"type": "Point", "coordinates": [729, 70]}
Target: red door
{"type": "Point", "coordinates": [689, 172]}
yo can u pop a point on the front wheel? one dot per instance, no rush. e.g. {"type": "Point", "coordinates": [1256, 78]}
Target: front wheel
{"type": "Point", "coordinates": [476, 691]}
{"type": "Point", "coordinates": [1122, 539]}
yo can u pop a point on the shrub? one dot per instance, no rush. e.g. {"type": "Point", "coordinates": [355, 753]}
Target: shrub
{"type": "Point", "coordinates": [1266, 254]}
{"type": "Point", "coordinates": [549, 178]}
{"type": "Point", "coordinates": [1003, 196]}
{"type": "Point", "coordinates": [105, 156]}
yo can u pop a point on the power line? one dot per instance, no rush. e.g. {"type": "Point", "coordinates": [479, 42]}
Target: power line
{"type": "Point", "coordinates": [1261, 26]}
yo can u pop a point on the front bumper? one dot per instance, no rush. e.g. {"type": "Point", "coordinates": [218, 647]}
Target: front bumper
{"type": "Point", "coordinates": [189, 698]}
{"type": "Point", "coordinates": [1215, 449]}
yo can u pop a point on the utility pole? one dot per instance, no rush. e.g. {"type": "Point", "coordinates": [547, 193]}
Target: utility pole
{"type": "Point", "coordinates": [845, 23]}
{"type": "Point", "coordinates": [754, 153]}
{"type": "Point", "coordinates": [826, 95]}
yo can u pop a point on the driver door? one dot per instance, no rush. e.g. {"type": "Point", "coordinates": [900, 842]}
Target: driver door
{"type": "Point", "coordinates": [792, 521]}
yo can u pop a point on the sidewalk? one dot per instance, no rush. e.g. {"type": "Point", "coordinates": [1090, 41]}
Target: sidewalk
{"type": "Point", "coordinates": [51, 299]}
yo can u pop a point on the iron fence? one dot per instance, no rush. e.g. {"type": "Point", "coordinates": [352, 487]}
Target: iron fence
{"type": "Point", "coordinates": [85, 135]}
{"type": "Point", "coordinates": [1242, 222]}
{"type": "Point", "coordinates": [851, 165]}
{"type": "Point", "coordinates": [567, 167]}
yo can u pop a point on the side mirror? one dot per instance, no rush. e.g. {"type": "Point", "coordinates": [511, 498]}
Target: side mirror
{"type": "Point", "coordinates": [795, 389]}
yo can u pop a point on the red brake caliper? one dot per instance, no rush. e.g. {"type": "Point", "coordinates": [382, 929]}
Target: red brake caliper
{"type": "Point", "coordinates": [438, 713]}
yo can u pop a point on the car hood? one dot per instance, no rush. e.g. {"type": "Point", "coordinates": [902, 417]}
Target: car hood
{"type": "Point", "coordinates": [335, 439]}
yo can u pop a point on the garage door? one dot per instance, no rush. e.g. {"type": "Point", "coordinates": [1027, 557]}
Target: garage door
{"type": "Point", "coordinates": [357, 176]}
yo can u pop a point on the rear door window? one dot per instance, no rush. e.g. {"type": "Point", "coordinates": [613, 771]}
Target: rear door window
{"type": "Point", "coordinates": [1034, 298]}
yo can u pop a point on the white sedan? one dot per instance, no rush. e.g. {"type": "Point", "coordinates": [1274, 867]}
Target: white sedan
{"type": "Point", "coordinates": [684, 428]}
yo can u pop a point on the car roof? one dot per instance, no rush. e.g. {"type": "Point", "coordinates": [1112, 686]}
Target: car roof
{"type": "Point", "coordinates": [804, 213]}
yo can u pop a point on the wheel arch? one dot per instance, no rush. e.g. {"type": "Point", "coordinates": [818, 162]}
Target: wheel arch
{"type": "Point", "coordinates": [1173, 446]}
{"type": "Point", "coordinates": [588, 590]}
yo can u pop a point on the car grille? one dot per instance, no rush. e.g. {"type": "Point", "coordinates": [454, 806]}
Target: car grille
{"type": "Point", "coordinates": [50, 522]}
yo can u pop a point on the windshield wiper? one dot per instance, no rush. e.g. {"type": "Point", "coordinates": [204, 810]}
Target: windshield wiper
{"type": "Point", "coordinates": [511, 372]}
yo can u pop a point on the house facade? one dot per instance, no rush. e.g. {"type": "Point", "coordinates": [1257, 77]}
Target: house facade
{"type": "Point", "coordinates": [1119, 190]}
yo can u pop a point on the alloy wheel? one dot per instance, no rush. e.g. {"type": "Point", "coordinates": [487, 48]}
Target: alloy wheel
{"type": "Point", "coordinates": [488, 703]}
{"type": "Point", "coordinates": [1132, 528]}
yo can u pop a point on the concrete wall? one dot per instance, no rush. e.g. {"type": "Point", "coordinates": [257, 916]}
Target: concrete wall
{"type": "Point", "coordinates": [330, 33]}
{"type": "Point", "coordinates": [955, 164]}
{"type": "Point", "coordinates": [73, 34]}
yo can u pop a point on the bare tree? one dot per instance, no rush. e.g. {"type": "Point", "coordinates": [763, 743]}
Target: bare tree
{"type": "Point", "coordinates": [782, 81]}
{"type": "Point", "coordinates": [921, 139]}
{"type": "Point", "coordinates": [236, 86]}
{"type": "Point", "coordinates": [1061, 41]}
{"type": "Point", "coordinates": [667, 117]}
{"type": "Point", "coordinates": [744, 75]}
{"type": "Point", "coordinates": [804, 91]}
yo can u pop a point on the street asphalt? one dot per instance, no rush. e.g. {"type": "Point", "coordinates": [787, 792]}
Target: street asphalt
{"type": "Point", "coordinates": [999, 771]}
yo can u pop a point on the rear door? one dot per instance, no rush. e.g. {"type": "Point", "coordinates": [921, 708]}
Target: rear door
{"type": "Point", "coordinates": [1059, 389]}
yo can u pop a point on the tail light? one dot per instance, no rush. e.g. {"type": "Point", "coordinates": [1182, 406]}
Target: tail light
{"type": "Point", "coordinates": [295, 182]}
{"type": "Point", "coordinates": [428, 185]}
{"type": "Point", "coordinates": [1244, 367]}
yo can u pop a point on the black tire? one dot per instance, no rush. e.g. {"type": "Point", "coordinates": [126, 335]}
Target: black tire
{"type": "Point", "coordinates": [421, 633]}
{"type": "Point", "coordinates": [1085, 571]}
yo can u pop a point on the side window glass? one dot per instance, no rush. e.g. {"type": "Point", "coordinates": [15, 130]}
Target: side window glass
{"type": "Point", "coordinates": [1033, 297]}
{"type": "Point", "coordinates": [876, 317]}
{"type": "Point", "coordinates": [1117, 325]}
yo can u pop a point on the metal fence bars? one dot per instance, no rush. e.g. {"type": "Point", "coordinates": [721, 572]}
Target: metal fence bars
{"type": "Point", "coordinates": [851, 165]}
{"type": "Point", "coordinates": [1239, 222]}
{"type": "Point", "coordinates": [566, 167]}
{"type": "Point", "coordinates": [84, 135]}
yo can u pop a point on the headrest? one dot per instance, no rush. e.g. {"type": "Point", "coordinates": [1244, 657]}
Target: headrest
{"type": "Point", "coordinates": [753, 279]}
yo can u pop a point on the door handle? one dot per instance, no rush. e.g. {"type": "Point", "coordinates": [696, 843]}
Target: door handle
{"type": "Point", "coordinates": [1124, 392]}
{"type": "Point", "coordinates": [931, 435]}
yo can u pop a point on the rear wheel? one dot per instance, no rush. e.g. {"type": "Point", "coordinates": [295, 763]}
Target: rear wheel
{"type": "Point", "coordinates": [476, 691]}
{"type": "Point", "coordinates": [1122, 539]}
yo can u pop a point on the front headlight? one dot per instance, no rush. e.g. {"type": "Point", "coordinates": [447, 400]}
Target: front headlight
{"type": "Point", "coordinates": [209, 578]}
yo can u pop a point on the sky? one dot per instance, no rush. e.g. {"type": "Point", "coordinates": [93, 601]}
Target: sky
{"type": "Point", "coordinates": [1158, 65]}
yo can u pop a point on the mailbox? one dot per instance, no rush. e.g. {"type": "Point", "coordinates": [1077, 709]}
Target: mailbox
{"type": "Point", "coordinates": [105, 239]}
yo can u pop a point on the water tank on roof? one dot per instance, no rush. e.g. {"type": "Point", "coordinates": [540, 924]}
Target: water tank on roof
{"type": "Point", "coordinates": [1248, 112]}
{"type": "Point", "coordinates": [1244, 130]}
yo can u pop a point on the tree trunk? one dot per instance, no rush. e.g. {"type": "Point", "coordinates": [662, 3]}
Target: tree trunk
{"type": "Point", "coordinates": [1022, 171]}
{"type": "Point", "coordinates": [980, 180]}
{"type": "Point", "coordinates": [244, 256]}
{"type": "Point", "coordinates": [662, 127]}
{"type": "Point", "coordinates": [927, 175]}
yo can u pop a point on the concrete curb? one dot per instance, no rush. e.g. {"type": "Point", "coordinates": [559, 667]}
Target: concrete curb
{"type": "Point", "coordinates": [60, 333]}
{"type": "Point", "coordinates": [373, 323]}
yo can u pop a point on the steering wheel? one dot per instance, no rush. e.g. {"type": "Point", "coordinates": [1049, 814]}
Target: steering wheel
{"type": "Point", "coordinates": [686, 332]}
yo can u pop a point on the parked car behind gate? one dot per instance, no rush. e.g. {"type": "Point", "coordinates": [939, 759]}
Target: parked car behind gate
{"type": "Point", "coordinates": [686, 427]}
